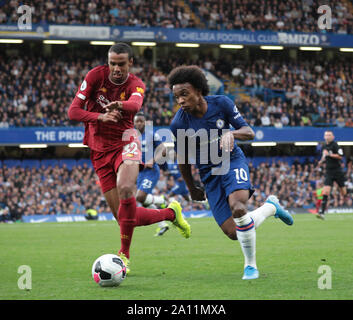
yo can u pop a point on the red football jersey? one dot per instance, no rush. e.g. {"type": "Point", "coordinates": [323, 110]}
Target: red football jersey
{"type": "Point", "coordinates": [97, 91]}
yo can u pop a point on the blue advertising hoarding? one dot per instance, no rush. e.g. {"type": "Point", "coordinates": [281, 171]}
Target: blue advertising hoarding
{"type": "Point", "coordinates": [67, 135]}
{"type": "Point", "coordinates": [39, 218]}
{"type": "Point", "coordinates": [118, 33]}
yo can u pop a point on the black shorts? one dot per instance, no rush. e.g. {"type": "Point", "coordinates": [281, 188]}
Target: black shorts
{"type": "Point", "coordinates": [332, 176]}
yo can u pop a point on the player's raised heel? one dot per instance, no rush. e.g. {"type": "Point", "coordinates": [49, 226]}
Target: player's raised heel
{"type": "Point", "coordinates": [281, 213]}
{"type": "Point", "coordinates": [161, 231]}
{"type": "Point", "coordinates": [250, 273]}
{"type": "Point", "coordinates": [126, 262]}
{"type": "Point", "coordinates": [179, 222]}
{"type": "Point", "coordinates": [320, 216]}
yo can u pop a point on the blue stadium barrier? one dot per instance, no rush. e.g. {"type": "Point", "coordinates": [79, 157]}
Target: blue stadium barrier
{"type": "Point", "coordinates": [70, 163]}
{"type": "Point", "coordinates": [49, 162]}
{"type": "Point", "coordinates": [30, 163]}
{"type": "Point", "coordinates": [12, 163]}
{"type": "Point", "coordinates": [81, 162]}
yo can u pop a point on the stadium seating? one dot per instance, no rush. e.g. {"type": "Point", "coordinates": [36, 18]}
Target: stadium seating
{"type": "Point", "coordinates": [222, 15]}
{"type": "Point", "coordinates": [71, 186]}
{"type": "Point", "coordinates": [267, 92]}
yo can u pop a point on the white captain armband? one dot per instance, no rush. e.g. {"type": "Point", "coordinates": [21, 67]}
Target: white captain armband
{"type": "Point", "coordinates": [81, 96]}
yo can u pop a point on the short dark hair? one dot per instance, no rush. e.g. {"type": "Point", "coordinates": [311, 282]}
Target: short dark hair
{"type": "Point", "coordinates": [140, 114]}
{"type": "Point", "coordinates": [189, 74]}
{"type": "Point", "coordinates": [122, 47]}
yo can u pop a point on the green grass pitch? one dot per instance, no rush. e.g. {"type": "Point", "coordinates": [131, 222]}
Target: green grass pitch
{"type": "Point", "coordinates": [208, 266]}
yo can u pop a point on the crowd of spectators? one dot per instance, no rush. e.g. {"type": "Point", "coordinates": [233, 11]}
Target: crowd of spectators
{"type": "Point", "coordinates": [275, 15]}
{"type": "Point", "coordinates": [37, 91]}
{"type": "Point", "coordinates": [137, 13]}
{"type": "Point", "coordinates": [60, 190]}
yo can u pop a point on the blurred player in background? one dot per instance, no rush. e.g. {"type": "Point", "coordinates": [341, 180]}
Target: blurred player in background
{"type": "Point", "coordinates": [149, 176]}
{"type": "Point", "coordinates": [318, 195]}
{"type": "Point", "coordinates": [180, 187]}
{"type": "Point", "coordinates": [227, 191]}
{"type": "Point", "coordinates": [112, 96]}
{"type": "Point", "coordinates": [332, 155]}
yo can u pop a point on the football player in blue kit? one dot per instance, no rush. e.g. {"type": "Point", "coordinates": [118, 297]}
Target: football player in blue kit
{"type": "Point", "coordinates": [201, 128]}
{"type": "Point", "coordinates": [180, 185]}
{"type": "Point", "coordinates": [149, 176]}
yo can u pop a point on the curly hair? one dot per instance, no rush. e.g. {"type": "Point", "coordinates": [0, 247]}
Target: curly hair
{"type": "Point", "coordinates": [189, 74]}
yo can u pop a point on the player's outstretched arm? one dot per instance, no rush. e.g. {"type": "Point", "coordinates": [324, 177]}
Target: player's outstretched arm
{"type": "Point", "coordinates": [196, 193]}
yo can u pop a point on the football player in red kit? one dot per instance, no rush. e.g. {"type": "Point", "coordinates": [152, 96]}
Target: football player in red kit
{"type": "Point", "coordinates": [112, 96]}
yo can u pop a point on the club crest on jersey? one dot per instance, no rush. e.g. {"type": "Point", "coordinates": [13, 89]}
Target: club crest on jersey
{"type": "Point", "coordinates": [103, 89]}
{"type": "Point", "coordinates": [122, 96]}
{"type": "Point", "coordinates": [220, 123]}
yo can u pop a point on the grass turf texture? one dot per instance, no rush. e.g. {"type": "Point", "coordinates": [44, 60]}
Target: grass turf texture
{"type": "Point", "coordinates": [208, 266]}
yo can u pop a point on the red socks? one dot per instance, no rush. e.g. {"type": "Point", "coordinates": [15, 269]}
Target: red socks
{"type": "Point", "coordinates": [131, 216]}
{"type": "Point", "coordinates": [126, 216]}
{"type": "Point", "coordinates": [145, 217]}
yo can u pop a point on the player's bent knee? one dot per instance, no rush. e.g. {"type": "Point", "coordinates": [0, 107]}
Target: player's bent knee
{"type": "Point", "coordinates": [125, 191]}
{"type": "Point", "coordinates": [238, 209]}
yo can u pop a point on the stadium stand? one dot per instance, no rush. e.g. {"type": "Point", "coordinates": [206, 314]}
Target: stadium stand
{"type": "Point", "coordinates": [63, 186]}
{"type": "Point", "coordinates": [270, 90]}
{"type": "Point", "coordinates": [270, 15]}
{"type": "Point", "coordinates": [221, 15]}
{"type": "Point", "coordinates": [275, 92]}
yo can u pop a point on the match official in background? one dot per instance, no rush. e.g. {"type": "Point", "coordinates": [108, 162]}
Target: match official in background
{"type": "Point", "coordinates": [332, 155]}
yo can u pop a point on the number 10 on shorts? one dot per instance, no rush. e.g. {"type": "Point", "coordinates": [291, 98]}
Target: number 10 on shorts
{"type": "Point", "coordinates": [241, 175]}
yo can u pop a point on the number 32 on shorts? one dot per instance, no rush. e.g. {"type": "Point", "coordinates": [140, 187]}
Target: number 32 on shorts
{"type": "Point", "coordinates": [130, 149]}
{"type": "Point", "coordinates": [241, 175]}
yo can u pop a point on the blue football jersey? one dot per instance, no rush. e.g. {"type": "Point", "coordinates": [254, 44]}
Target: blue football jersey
{"type": "Point", "coordinates": [173, 169]}
{"type": "Point", "coordinates": [149, 143]}
{"type": "Point", "coordinates": [221, 115]}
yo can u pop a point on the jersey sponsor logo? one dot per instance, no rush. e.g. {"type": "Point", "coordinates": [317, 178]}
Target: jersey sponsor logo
{"type": "Point", "coordinates": [83, 85]}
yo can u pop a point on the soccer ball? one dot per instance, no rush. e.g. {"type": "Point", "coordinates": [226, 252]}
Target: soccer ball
{"type": "Point", "coordinates": [109, 270]}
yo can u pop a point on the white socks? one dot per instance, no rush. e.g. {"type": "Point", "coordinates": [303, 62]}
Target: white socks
{"type": "Point", "coordinates": [247, 238]}
{"type": "Point", "coordinates": [153, 199]}
{"type": "Point", "coordinates": [260, 214]}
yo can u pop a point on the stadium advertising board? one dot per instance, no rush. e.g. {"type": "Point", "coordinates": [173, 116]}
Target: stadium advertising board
{"type": "Point", "coordinates": [66, 135]}
{"type": "Point", "coordinates": [82, 32]}
{"type": "Point", "coordinates": [39, 218]}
